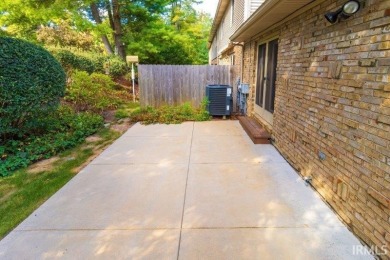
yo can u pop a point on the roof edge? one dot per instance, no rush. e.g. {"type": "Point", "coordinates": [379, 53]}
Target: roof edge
{"type": "Point", "coordinates": [219, 13]}
{"type": "Point", "coordinates": [267, 5]}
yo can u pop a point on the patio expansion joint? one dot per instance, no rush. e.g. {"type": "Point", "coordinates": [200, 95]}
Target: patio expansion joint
{"type": "Point", "coordinates": [262, 227]}
{"type": "Point", "coordinates": [92, 229]}
{"type": "Point", "coordinates": [167, 228]}
{"type": "Point", "coordinates": [185, 190]}
{"type": "Point", "coordinates": [238, 162]}
{"type": "Point", "coordinates": [152, 137]}
{"type": "Point", "coordinates": [137, 163]}
{"type": "Point", "coordinates": [254, 227]}
{"type": "Point", "coordinates": [214, 135]}
{"type": "Point", "coordinates": [195, 163]}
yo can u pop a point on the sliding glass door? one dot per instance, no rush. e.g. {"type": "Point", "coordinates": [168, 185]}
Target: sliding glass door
{"type": "Point", "coordinates": [266, 77]}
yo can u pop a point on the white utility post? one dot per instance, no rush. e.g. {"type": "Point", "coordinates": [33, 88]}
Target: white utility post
{"type": "Point", "coordinates": [132, 60]}
{"type": "Point", "coordinates": [133, 79]}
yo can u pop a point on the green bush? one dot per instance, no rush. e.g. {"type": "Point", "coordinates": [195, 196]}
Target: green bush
{"type": "Point", "coordinates": [64, 129]}
{"type": "Point", "coordinates": [126, 109]}
{"type": "Point", "coordinates": [31, 84]}
{"type": "Point", "coordinates": [120, 114]}
{"type": "Point", "coordinates": [111, 64]}
{"type": "Point", "coordinates": [117, 67]}
{"type": "Point", "coordinates": [170, 114]}
{"type": "Point", "coordinates": [71, 61]}
{"type": "Point", "coordinates": [93, 92]}
{"type": "Point", "coordinates": [99, 62]}
{"type": "Point", "coordinates": [90, 62]}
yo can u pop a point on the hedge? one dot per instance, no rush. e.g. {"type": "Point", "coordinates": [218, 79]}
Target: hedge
{"type": "Point", "coordinates": [31, 84]}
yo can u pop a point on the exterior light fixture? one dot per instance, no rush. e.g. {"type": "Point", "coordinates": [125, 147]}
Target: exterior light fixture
{"type": "Point", "coordinates": [349, 8]}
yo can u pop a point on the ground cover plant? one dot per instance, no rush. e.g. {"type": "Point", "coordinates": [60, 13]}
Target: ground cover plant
{"type": "Point", "coordinates": [125, 110]}
{"type": "Point", "coordinates": [170, 114]}
{"type": "Point", "coordinates": [25, 190]}
{"type": "Point", "coordinates": [96, 92]}
{"type": "Point", "coordinates": [59, 131]}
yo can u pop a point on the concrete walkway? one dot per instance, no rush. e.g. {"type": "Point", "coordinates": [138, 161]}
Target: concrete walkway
{"type": "Point", "coordinates": [190, 191]}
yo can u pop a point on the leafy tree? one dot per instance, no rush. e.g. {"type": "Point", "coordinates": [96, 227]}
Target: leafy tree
{"type": "Point", "coordinates": [122, 16]}
{"type": "Point", "coordinates": [63, 35]}
{"type": "Point", "coordinates": [177, 37]}
{"type": "Point", "coordinates": [158, 43]}
{"type": "Point", "coordinates": [193, 27]}
{"type": "Point", "coordinates": [22, 18]}
{"type": "Point", "coordinates": [183, 13]}
{"type": "Point", "coordinates": [112, 8]}
{"type": "Point", "coordinates": [159, 31]}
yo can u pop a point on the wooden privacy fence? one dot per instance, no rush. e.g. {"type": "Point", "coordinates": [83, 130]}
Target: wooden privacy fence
{"type": "Point", "coordinates": [177, 84]}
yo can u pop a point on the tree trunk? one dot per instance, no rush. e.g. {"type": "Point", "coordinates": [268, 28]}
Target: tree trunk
{"type": "Point", "coordinates": [176, 7]}
{"type": "Point", "coordinates": [107, 45]}
{"type": "Point", "coordinates": [98, 20]}
{"type": "Point", "coordinates": [118, 30]}
{"type": "Point", "coordinates": [109, 12]}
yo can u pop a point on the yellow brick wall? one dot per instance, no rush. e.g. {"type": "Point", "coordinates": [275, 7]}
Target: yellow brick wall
{"type": "Point", "coordinates": [333, 97]}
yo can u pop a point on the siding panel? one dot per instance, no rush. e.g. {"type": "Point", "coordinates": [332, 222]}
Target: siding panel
{"type": "Point", "coordinates": [255, 4]}
{"type": "Point", "coordinates": [227, 27]}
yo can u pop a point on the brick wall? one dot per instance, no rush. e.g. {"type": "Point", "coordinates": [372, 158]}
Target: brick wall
{"type": "Point", "coordinates": [333, 97]}
{"type": "Point", "coordinates": [248, 72]}
{"type": "Point", "coordinates": [226, 57]}
{"type": "Point", "coordinates": [237, 51]}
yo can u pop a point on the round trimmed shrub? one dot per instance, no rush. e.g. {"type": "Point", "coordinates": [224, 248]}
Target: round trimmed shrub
{"type": "Point", "coordinates": [31, 84]}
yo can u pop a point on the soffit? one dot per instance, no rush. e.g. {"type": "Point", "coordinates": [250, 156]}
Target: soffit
{"type": "Point", "coordinates": [269, 13]}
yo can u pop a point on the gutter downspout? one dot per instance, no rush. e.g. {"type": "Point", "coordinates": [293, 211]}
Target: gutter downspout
{"type": "Point", "coordinates": [242, 62]}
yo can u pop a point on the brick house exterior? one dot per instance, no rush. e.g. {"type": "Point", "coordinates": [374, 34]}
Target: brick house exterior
{"type": "Point", "coordinates": [330, 114]}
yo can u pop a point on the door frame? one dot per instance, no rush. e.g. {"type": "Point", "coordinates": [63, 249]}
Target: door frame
{"type": "Point", "coordinates": [260, 112]}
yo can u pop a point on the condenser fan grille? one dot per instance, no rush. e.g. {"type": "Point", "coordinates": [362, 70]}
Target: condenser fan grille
{"type": "Point", "coordinates": [220, 99]}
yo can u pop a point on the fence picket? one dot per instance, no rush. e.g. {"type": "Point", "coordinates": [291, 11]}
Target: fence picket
{"type": "Point", "coordinates": [176, 84]}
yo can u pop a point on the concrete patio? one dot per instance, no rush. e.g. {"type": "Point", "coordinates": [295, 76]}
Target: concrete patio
{"type": "Point", "coordinates": [192, 191]}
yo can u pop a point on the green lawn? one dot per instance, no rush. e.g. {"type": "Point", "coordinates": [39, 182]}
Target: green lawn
{"type": "Point", "coordinates": [23, 192]}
